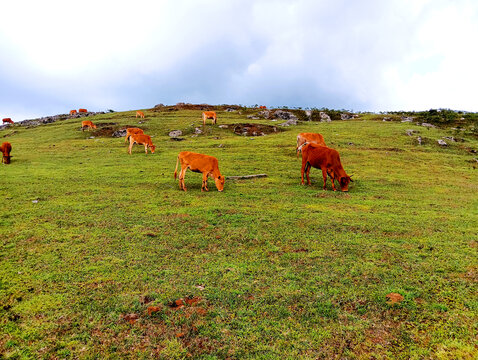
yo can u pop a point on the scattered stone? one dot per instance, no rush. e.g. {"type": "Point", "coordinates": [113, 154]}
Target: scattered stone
{"type": "Point", "coordinates": [350, 143]}
{"type": "Point", "coordinates": [197, 131]}
{"type": "Point", "coordinates": [35, 201]}
{"type": "Point", "coordinates": [220, 146]}
{"type": "Point", "coordinates": [387, 119]}
{"type": "Point", "coordinates": [407, 119]}
{"type": "Point", "coordinates": [175, 133]}
{"type": "Point", "coordinates": [419, 139]}
{"type": "Point", "coordinates": [91, 137]}
{"type": "Point", "coordinates": [253, 117]}
{"type": "Point", "coordinates": [284, 115]}
{"type": "Point", "coordinates": [264, 113]}
{"type": "Point", "coordinates": [230, 109]}
{"type": "Point", "coordinates": [177, 139]}
{"type": "Point", "coordinates": [223, 126]}
{"type": "Point", "coordinates": [441, 142]}
{"type": "Point", "coordinates": [411, 132]}
{"type": "Point", "coordinates": [289, 123]}
{"type": "Point", "coordinates": [347, 116]}
{"type": "Point", "coordinates": [200, 287]}
{"type": "Point", "coordinates": [119, 133]}
{"type": "Point", "coordinates": [254, 129]}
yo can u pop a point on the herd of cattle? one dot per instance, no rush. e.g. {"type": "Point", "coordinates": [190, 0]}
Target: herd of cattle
{"type": "Point", "coordinates": [315, 153]}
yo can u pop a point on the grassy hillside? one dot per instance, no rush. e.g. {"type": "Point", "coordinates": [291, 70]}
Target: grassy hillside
{"type": "Point", "coordinates": [91, 237]}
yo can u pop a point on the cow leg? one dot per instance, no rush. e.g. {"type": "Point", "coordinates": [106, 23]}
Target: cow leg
{"type": "Point", "coordinates": [324, 175]}
{"type": "Point", "coordinates": [302, 170]}
{"type": "Point", "coordinates": [146, 148]}
{"type": "Point", "coordinates": [182, 174]}
{"type": "Point", "coordinates": [332, 178]}
{"type": "Point", "coordinates": [204, 182]}
{"type": "Point", "coordinates": [307, 172]}
{"type": "Point", "coordinates": [130, 147]}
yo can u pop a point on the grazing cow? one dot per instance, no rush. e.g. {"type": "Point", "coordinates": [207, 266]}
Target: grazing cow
{"type": "Point", "coordinates": [308, 138]}
{"type": "Point", "coordinates": [141, 139]}
{"type": "Point", "coordinates": [209, 115]}
{"type": "Point", "coordinates": [132, 131]}
{"type": "Point", "coordinates": [326, 159]}
{"type": "Point", "coordinates": [73, 112]}
{"type": "Point", "coordinates": [6, 148]}
{"type": "Point", "coordinates": [262, 107]}
{"type": "Point", "coordinates": [205, 164]}
{"type": "Point", "coordinates": [7, 120]}
{"type": "Point", "coordinates": [82, 110]}
{"type": "Point", "coordinates": [140, 114]}
{"type": "Point", "coordinates": [87, 124]}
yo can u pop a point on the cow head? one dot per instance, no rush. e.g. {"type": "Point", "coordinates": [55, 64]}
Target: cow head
{"type": "Point", "coordinates": [344, 183]}
{"type": "Point", "coordinates": [220, 182]}
{"type": "Point", "coordinates": [94, 126]}
{"type": "Point", "coordinates": [152, 147]}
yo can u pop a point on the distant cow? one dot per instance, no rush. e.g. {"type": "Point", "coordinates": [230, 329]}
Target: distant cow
{"type": "Point", "coordinates": [82, 110]}
{"type": "Point", "coordinates": [141, 139]}
{"type": "Point", "coordinates": [308, 138]}
{"type": "Point", "coordinates": [262, 107]}
{"type": "Point", "coordinates": [209, 115]}
{"type": "Point", "coordinates": [132, 131]}
{"type": "Point", "coordinates": [87, 124]}
{"type": "Point", "coordinates": [326, 159]}
{"type": "Point", "coordinates": [7, 120]}
{"type": "Point", "coordinates": [205, 164]}
{"type": "Point", "coordinates": [140, 114]}
{"type": "Point", "coordinates": [6, 148]}
{"type": "Point", "coordinates": [73, 112]}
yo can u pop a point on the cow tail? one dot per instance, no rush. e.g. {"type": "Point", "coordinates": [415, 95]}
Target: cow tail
{"type": "Point", "coordinates": [176, 170]}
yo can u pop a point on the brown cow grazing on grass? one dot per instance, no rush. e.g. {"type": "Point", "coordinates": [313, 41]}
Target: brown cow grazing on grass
{"type": "Point", "coordinates": [140, 114]}
{"type": "Point", "coordinates": [6, 148]}
{"type": "Point", "coordinates": [82, 110]}
{"type": "Point", "coordinates": [87, 124]}
{"type": "Point", "coordinates": [205, 164]}
{"type": "Point", "coordinates": [73, 112]}
{"type": "Point", "coordinates": [209, 115]}
{"type": "Point", "coordinates": [141, 139]}
{"type": "Point", "coordinates": [132, 131]}
{"type": "Point", "coordinates": [326, 159]}
{"type": "Point", "coordinates": [7, 120]}
{"type": "Point", "coordinates": [308, 138]}
{"type": "Point", "coordinates": [262, 107]}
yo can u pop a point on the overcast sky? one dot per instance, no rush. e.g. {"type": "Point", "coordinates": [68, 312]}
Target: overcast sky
{"type": "Point", "coordinates": [362, 55]}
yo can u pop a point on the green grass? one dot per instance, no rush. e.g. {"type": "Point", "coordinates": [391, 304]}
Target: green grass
{"type": "Point", "coordinates": [281, 270]}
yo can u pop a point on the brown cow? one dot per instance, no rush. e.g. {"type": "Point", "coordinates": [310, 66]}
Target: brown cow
{"type": "Point", "coordinates": [308, 138]}
{"type": "Point", "coordinates": [82, 110]}
{"type": "Point", "coordinates": [6, 148]}
{"type": "Point", "coordinates": [7, 120]}
{"type": "Point", "coordinates": [262, 107]}
{"type": "Point", "coordinates": [140, 114]}
{"type": "Point", "coordinates": [326, 159]}
{"type": "Point", "coordinates": [88, 124]}
{"type": "Point", "coordinates": [209, 115]}
{"type": "Point", "coordinates": [141, 139]}
{"type": "Point", "coordinates": [205, 164]}
{"type": "Point", "coordinates": [73, 112]}
{"type": "Point", "coordinates": [132, 131]}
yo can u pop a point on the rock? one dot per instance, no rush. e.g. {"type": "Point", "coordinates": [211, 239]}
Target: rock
{"type": "Point", "coordinates": [223, 126]}
{"type": "Point", "coordinates": [345, 116]}
{"type": "Point", "coordinates": [308, 113]}
{"type": "Point", "coordinates": [119, 133]}
{"type": "Point", "coordinates": [230, 109]}
{"type": "Point", "coordinates": [254, 129]}
{"type": "Point", "coordinates": [253, 117]}
{"type": "Point", "coordinates": [220, 146]}
{"type": "Point", "coordinates": [428, 125]}
{"type": "Point", "coordinates": [35, 201]}
{"type": "Point", "coordinates": [324, 117]}
{"type": "Point", "coordinates": [419, 139]}
{"type": "Point", "coordinates": [197, 131]}
{"type": "Point", "coordinates": [350, 143]}
{"type": "Point", "coordinates": [175, 133]}
{"type": "Point", "coordinates": [410, 132]}
{"type": "Point", "coordinates": [289, 123]}
{"type": "Point", "coordinates": [441, 142]}
{"type": "Point", "coordinates": [264, 113]}
{"type": "Point", "coordinates": [177, 139]}
{"type": "Point", "coordinates": [407, 119]}
{"type": "Point", "coordinates": [387, 119]}
{"type": "Point", "coordinates": [284, 115]}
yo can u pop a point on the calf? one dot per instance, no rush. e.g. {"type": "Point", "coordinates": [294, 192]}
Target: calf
{"type": "Point", "coordinates": [141, 139]}
{"type": "Point", "coordinates": [7, 120]}
{"type": "Point", "coordinates": [82, 110]}
{"type": "Point", "coordinates": [5, 149]}
{"type": "Point", "coordinates": [132, 131]}
{"type": "Point", "coordinates": [326, 159]}
{"type": "Point", "coordinates": [209, 115]}
{"type": "Point", "coordinates": [307, 138]}
{"type": "Point", "coordinates": [140, 114]}
{"type": "Point", "coordinates": [87, 124]}
{"type": "Point", "coordinates": [205, 164]}
{"type": "Point", "coordinates": [73, 112]}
